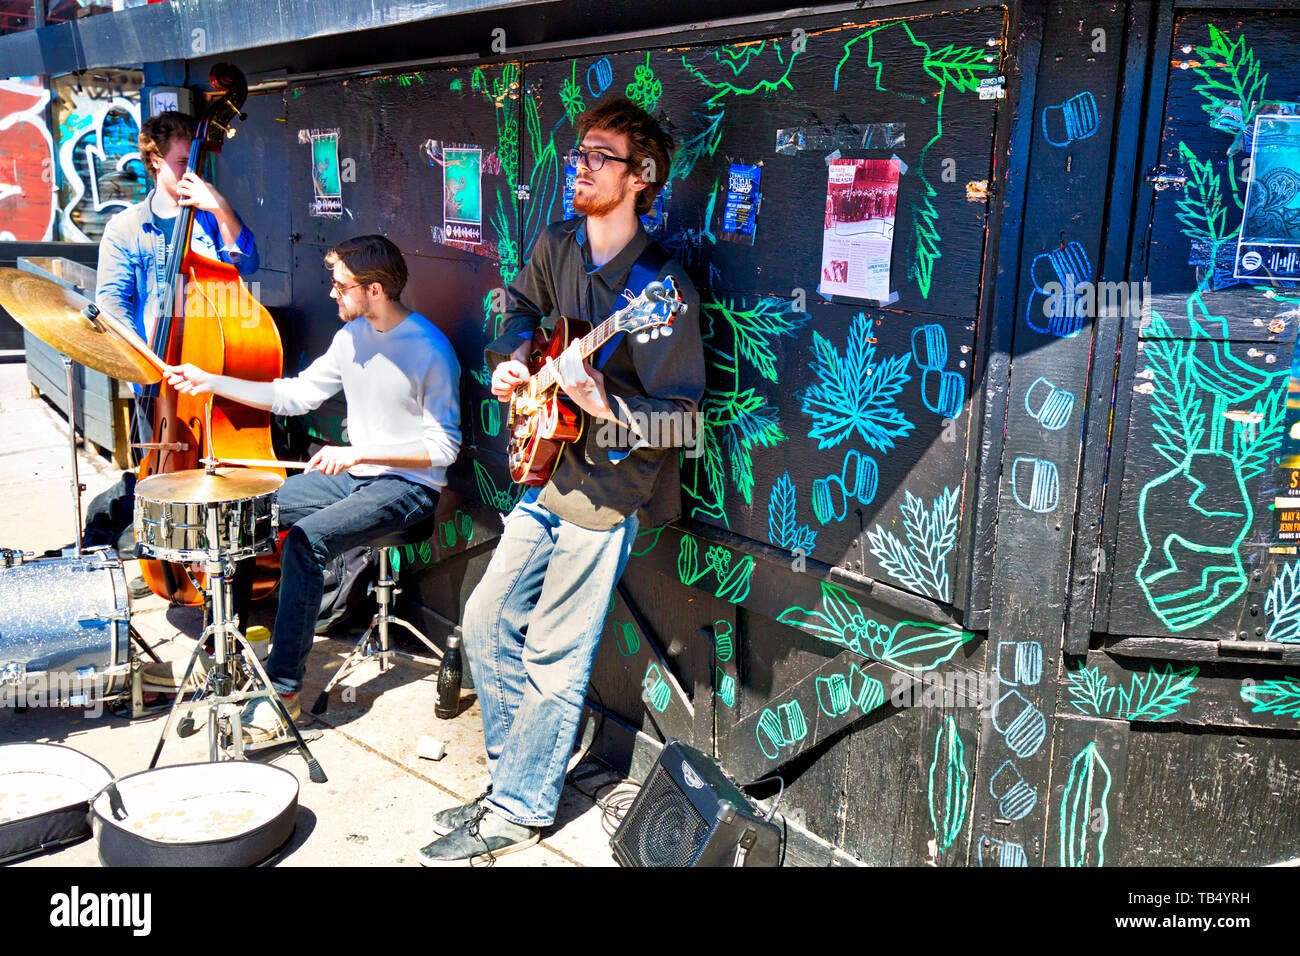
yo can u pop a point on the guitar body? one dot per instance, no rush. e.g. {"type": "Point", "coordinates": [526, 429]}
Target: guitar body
{"type": "Point", "coordinates": [543, 421]}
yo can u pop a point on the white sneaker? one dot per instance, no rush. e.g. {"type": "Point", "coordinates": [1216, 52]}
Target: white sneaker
{"type": "Point", "coordinates": [261, 718]}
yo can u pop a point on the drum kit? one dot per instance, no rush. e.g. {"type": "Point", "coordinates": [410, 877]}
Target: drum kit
{"type": "Point", "coordinates": [66, 620]}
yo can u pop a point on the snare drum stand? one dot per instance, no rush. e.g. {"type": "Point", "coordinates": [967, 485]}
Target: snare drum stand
{"type": "Point", "coordinates": [225, 725]}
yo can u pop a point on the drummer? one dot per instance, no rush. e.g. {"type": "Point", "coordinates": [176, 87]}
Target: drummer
{"type": "Point", "coordinates": [401, 381]}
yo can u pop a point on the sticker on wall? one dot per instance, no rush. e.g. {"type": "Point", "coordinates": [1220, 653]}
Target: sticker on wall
{"type": "Point", "coordinates": [462, 194]}
{"type": "Point", "coordinates": [741, 209]}
{"type": "Point", "coordinates": [326, 183]}
{"type": "Point", "coordinates": [570, 178]}
{"type": "Point", "coordinates": [1268, 245]}
{"type": "Point", "coordinates": [858, 236]}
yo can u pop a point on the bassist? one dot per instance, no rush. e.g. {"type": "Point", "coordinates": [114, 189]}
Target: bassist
{"type": "Point", "coordinates": [532, 625]}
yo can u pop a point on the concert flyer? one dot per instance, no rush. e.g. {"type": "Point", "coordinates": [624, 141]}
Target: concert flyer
{"type": "Point", "coordinates": [858, 237]}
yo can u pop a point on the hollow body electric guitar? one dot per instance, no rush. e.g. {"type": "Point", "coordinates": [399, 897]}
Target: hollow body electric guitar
{"type": "Point", "coordinates": [541, 419]}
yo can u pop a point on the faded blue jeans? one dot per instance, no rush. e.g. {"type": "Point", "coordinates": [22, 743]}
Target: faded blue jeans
{"type": "Point", "coordinates": [326, 515]}
{"type": "Point", "coordinates": [531, 629]}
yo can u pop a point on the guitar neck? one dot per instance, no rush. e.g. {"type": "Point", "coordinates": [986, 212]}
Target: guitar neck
{"type": "Point", "coordinates": [589, 344]}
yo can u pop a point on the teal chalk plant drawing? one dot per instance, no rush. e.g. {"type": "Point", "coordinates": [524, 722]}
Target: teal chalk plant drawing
{"type": "Point", "coordinates": [949, 788]}
{"type": "Point", "coordinates": [910, 645]}
{"type": "Point", "coordinates": [571, 94]}
{"type": "Point", "coordinates": [782, 527]}
{"type": "Point", "coordinates": [1191, 567]}
{"type": "Point", "coordinates": [1204, 215]}
{"type": "Point", "coordinates": [1283, 606]}
{"type": "Point", "coordinates": [492, 496]}
{"type": "Point", "coordinates": [1231, 83]}
{"type": "Point", "coordinates": [953, 68]}
{"type": "Point", "coordinates": [732, 581]}
{"type": "Point", "coordinates": [1281, 697]}
{"type": "Point", "coordinates": [1159, 694]}
{"type": "Point", "coordinates": [1085, 810]}
{"type": "Point", "coordinates": [855, 393]}
{"type": "Point", "coordinates": [921, 563]}
{"type": "Point", "coordinates": [734, 420]}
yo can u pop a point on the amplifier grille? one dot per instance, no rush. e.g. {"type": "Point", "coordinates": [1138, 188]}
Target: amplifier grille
{"type": "Point", "coordinates": [669, 831]}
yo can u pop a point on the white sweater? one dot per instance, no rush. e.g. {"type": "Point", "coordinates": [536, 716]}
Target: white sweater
{"type": "Point", "coordinates": [401, 386]}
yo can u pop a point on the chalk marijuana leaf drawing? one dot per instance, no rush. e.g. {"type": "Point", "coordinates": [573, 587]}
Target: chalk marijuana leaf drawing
{"type": "Point", "coordinates": [1232, 85]}
{"type": "Point", "coordinates": [1281, 697]}
{"type": "Point", "coordinates": [782, 529]}
{"type": "Point", "coordinates": [922, 562]}
{"type": "Point", "coordinates": [855, 393]}
{"type": "Point", "coordinates": [1158, 694]}
{"type": "Point", "coordinates": [1283, 606]}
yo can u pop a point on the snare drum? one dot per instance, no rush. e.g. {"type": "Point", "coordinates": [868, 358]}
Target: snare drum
{"type": "Point", "coordinates": [171, 517]}
{"type": "Point", "coordinates": [64, 630]}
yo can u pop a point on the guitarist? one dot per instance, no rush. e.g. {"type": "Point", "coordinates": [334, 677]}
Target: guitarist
{"type": "Point", "coordinates": [532, 625]}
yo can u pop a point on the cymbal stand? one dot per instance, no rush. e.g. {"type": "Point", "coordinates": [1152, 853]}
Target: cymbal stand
{"type": "Point", "coordinates": [76, 487]}
{"type": "Point", "coordinates": [224, 702]}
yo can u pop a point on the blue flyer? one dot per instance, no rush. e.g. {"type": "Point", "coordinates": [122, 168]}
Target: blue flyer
{"type": "Point", "coordinates": [742, 203]}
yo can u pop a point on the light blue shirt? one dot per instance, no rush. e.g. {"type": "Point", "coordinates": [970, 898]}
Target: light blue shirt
{"type": "Point", "coordinates": [133, 261]}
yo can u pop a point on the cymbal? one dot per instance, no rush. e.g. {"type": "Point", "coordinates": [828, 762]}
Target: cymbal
{"type": "Point", "coordinates": [198, 485]}
{"type": "Point", "coordinates": [54, 315]}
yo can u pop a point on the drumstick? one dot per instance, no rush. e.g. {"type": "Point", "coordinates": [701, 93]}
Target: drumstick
{"type": "Point", "coordinates": [124, 331]}
{"type": "Point", "coordinates": [261, 462]}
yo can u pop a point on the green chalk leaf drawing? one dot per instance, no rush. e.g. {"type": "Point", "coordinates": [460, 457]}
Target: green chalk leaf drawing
{"type": "Point", "coordinates": [1231, 82]}
{"type": "Point", "coordinates": [571, 94]}
{"type": "Point", "coordinates": [1200, 207]}
{"type": "Point", "coordinates": [652, 538]}
{"type": "Point", "coordinates": [1283, 606]}
{"type": "Point", "coordinates": [1157, 695]}
{"type": "Point", "coordinates": [949, 787]}
{"type": "Point", "coordinates": [1281, 697]}
{"type": "Point", "coordinates": [782, 528]}
{"type": "Point", "coordinates": [921, 564]}
{"type": "Point", "coordinates": [910, 645]}
{"type": "Point", "coordinates": [500, 499]}
{"type": "Point", "coordinates": [1191, 566]}
{"type": "Point", "coordinates": [732, 582]}
{"type": "Point", "coordinates": [734, 421]}
{"type": "Point", "coordinates": [958, 66]}
{"type": "Point", "coordinates": [1085, 811]}
{"type": "Point", "coordinates": [855, 393]}
{"type": "Point", "coordinates": [645, 88]}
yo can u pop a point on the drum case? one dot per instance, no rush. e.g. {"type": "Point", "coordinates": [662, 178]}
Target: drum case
{"type": "Point", "coordinates": [50, 767]}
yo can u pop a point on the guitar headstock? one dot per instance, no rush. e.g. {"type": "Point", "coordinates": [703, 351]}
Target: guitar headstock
{"type": "Point", "coordinates": [651, 313]}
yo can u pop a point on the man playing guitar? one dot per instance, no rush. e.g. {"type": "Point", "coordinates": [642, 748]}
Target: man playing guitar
{"type": "Point", "coordinates": [533, 623]}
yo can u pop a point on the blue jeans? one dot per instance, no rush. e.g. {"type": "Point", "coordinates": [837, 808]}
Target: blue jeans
{"type": "Point", "coordinates": [531, 629]}
{"type": "Point", "coordinates": [326, 515]}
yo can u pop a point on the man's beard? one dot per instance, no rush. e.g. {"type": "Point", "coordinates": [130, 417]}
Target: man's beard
{"type": "Point", "coordinates": [597, 208]}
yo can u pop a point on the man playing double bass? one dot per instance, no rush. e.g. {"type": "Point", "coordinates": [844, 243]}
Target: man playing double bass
{"type": "Point", "coordinates": [532, 625]}
{"type": "Point", "coordinates": [401, 381]}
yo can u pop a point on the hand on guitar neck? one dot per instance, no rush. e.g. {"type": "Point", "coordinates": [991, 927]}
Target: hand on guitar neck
{"type": "Point", "coordinates": [577, 379]}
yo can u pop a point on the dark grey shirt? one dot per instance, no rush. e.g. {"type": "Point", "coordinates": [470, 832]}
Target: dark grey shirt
{"type": "Point", "coordinates": [653, 387]}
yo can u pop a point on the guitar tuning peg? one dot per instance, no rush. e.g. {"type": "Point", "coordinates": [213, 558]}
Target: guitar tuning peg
{"type": "Point", "coordinates": [654, 334]}
{"type": "Point", "coordinates": [666, 331]}
{"type": "Point", "coordinates": [643, 337]}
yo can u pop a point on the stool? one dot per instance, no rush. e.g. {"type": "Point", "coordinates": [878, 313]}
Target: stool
{"type": "Point", "coordinates": [374, 642]}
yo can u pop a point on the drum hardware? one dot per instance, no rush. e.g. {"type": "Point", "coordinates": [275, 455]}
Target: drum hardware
{"type": "Point", "coordinates": [236, 675]}
{"type": "Point", "coordinates": [162, 445]}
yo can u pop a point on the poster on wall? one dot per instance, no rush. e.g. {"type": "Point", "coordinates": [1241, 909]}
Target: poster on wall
{"type": "Point", "coordinates": [326, 184]}
{"type": "Point", "coordinates": [858, 231]}
{"type": "Point", "coordinates": [462, 194]}
{"type": "Point", "coordinates": [741, 208]}
{"type": "Point", "coordinates": [1286, 507]}
{"type": "Point", "coordinates": [1268, 245]}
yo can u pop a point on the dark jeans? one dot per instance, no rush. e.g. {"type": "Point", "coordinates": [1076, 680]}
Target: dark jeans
{"type": "Point", "coordinates": [325, 515]}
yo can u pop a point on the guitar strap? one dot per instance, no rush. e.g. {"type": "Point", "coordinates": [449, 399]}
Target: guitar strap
{"type": "Point", "coordinates": [643, 272]}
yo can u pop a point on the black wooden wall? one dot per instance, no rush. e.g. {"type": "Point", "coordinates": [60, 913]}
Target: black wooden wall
{"type": "Point", "coordinates": [908, 576]}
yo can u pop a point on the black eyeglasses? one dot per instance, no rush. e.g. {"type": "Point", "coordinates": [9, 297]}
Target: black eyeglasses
{"type": "Point", "coordinates": [592, 159]}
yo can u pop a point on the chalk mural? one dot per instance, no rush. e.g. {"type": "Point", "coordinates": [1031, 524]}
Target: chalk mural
{"type": "Point", "coordinates": [921, 563]}
{"type": "Point", "coordinates": [1157, 695]}
{"type": "Point", "coordinates": [27, 181]}
{"type": "Point", "coordinates": [1084, 815]}
{"type": "Point", "coordinates": [1281, 697]}
{"type": "Point", "coordinates": [783, 529]}
{"type": "Point", "coordinates": [731, 582]}
{"type": "Point", "coordinates": [1283, 606]}
{"type": "Point", "coordinates": [949, 785]}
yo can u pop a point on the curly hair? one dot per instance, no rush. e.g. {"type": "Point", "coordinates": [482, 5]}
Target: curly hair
{"type": "Point", "coordinates": [650, 146]}
{"type": "Point", "coordinates": [159, 133]}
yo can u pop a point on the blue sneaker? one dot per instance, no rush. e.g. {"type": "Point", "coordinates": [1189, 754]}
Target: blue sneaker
{"type": "Point", "coordinates": [481, 839]}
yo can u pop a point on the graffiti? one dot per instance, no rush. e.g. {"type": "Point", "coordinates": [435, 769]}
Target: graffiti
{"type": "Point", "coordinates": [490, 416]}
{"type": "Point", "coordinates": [501, 499]}
{"type": "Point", "coordinates": [1022, 725]}
{"type": "Point", "coordinates": [1234, 90]}
{"type": "Point", "coordinates": [836, 693]}
{"type": "Point", "coordinates": [909, 645]}
{"type": "Point", "coordinates": [1020, 662]}
{"type": "Point", "coordinates": [1054, 404]}
{"type": "Point", "coordinates": [782, 530]}
{"type": "Point", "coordinates": [1283, 605]}
{"type": "Point", "coordinates": [1153, 697]}
{"type": "Point", "coordinates": [1281, 697]}
{"type": "Point", "coordinates": [1035, 484]}
{"type": "Point", "coordinates": [1016, 799]}
{"type": "Point", "coordinates": [571, 95]}
{"type": "Point", "coordinates": [858, 479]}
{"type": "Point", "coordinates": [735, 421]}
{"type": "Point", "coordinates": [1204, 216]}
{"type": "Point", "coordinates": [780, 728]}
{"type": "Point", "coordinates": [1065, 291]}
{"type": "Point", "coordinates": [726, 687]}
{"type": "Point", "coordinates": [99, 161]}
{"type": "Point", "coordinates": [1085, 812]}
{"type": "Point", "coordinates": [1001, 853]}
{"type": "Point", "coordinates": [27, 187]}
{"type": "Point", "coordinates": [645, 88]}
{"type": "Point", "coordinates": [1073, 120]}
{"type": "Point", "coordinates": [602, 73]}
{"type": "Point", "coordinates": [657, 690]}
{"type": "Point", "coordinates": [1192, 384]}
{"type": "Point", "coordinates": [949, 785]}
{"type": "Point", "coordinates": [931, 534]}
{"type": "Point", "coordinates": [942, 391]}
{"type": "Point", "coordinates": [724, 649]}
{"type": "Point", "coordinates": [732, 582]}
{"type": "Point", "coordinates": [854, 392]}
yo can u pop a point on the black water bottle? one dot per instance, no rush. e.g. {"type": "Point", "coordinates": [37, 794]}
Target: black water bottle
{"type": "Point", "coordinates": [448, 702]}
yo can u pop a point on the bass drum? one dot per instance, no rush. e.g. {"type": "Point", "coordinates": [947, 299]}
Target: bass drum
{"type": "Point", "coordinates": [65, 632]}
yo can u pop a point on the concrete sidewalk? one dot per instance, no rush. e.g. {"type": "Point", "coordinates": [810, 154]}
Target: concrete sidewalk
{"type": "Point", "coordinates": [375, 807]}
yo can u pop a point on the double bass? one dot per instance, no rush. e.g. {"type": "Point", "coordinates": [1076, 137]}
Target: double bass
{"type": "Point", "coordinates": [208, 318]}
